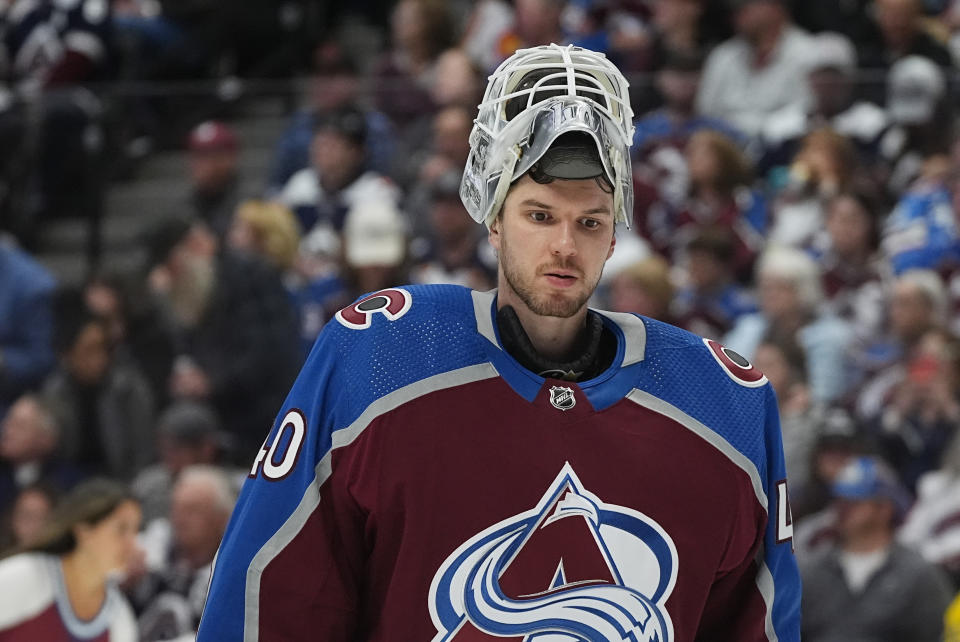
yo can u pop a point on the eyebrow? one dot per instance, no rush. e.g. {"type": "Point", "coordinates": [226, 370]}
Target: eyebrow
{"type": "Point", "coordinates": [543, 206]}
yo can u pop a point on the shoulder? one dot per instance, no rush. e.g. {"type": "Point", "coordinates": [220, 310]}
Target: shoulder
{"type": "Point", "coordinates": [301, 187]}
{"type": "Point", "coordinates": [26, 587]}
{"type": "Point", "coordinates": [393, 338]}
{"type": "Point", "coordinates": [689, 351]}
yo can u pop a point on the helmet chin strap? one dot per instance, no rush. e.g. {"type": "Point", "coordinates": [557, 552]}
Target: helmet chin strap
{"type": "Point", "coordinates": [594, 343]}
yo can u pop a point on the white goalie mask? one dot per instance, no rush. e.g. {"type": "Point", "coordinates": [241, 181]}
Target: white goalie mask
{"type": "Point", "coordinates": [533, 98]}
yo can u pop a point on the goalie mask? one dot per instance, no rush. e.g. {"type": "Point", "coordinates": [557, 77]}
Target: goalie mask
{"type": "Point", "coordinates": [533, 99]}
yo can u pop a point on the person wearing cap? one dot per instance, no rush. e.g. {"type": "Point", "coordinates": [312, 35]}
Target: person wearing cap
{"type": "Point", "coordinates": [188, 433]}
{"type": "Point", "coordinates": [867, 586]}
{"type": "Point", "coordinates": [758, 71]}
{"type": "Point", "coordinates": [214, 161]}
{"type": "Point", "coordinates": [451, 250]}
{"type": "Point", "coordinates": [832, 79]}
{"type": "Point", "coordinates": [918, 105]}
{"type": "Point", "coordinates": [339, 175]}
{"type": "Point", "coordinates": [454, 464]}
{"type": "Point", "coordinates": [895, 29]}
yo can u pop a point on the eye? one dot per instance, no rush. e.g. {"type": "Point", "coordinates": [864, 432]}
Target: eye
{"type": "Point", "coordinates": [539, 216]}
{"type": "Point", "coordinates": [590, 223]}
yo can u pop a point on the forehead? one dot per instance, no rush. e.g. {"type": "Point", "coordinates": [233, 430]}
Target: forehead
{"type": "Point", "coordinates": [577, 195]}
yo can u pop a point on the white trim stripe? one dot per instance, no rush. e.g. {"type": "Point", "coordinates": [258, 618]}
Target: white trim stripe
{"type": "Point", "coordinates": [482, 303]}
{"type": "Point", "coordinates": [311, 496]}
{"type": "Point", "coordinates": [634, 335]}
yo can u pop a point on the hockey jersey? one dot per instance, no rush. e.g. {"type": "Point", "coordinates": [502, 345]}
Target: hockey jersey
{"type": "Point", "coordinates": [421, 485]}
{"type": "Point", "coordinates": [34, 606]}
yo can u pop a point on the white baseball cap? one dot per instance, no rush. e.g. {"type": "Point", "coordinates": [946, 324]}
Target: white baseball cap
{"type": "Point", "coordinates": [914, 87]}
{"type": "Point", "coordinates": [374, 234]}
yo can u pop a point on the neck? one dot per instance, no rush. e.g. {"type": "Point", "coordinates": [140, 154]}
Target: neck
{"type": "Point", "coordinates": [86, 584]}
{"type": "Point", "coordinates": [553, 337]}
{"type": "Point", "coordinates": [868, 542]}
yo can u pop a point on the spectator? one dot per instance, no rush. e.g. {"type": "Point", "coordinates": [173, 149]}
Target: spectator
{"type": "Point", "coordinates": [784, 364]}
{"type": "Point", "coordinates": [644, 288]}
{"type": "Point", "coordinates": [672, 125]}
{"type": "Point", "coordinates": [825, 165]}
{"type": "Point", "coordinates": [923, 124]}
{"type": "Point", "coordinates": [420, 30]}
{"type": "Point", "coordinates": [104, 406]}
{"type": "Point", "coordinates": [791, 296]}
{"type": "Point", "coordinates": [446, 153]}
{"type": "Point", "coordinates": [867, 586]}
{"type": "Point", "coordinates": [335, 85]}
{"type": "Point", "coordinates": [832, 78]}
{"type": "Point", "coordinates": [188, 434]}
{"type": "Point", "coordinates": [719, 194]}
{"type": "Point", "coordinates": [488, 37]}
{"type": "Point", "coordinates": [214, 174]}
{"type": "Point", "coordinates": [921, 232]}
{"type": "Point", "coordinates": [61, 587]}
{"type": "Point", "coordinates": [29, 440]}
{"type": "Point", "coordinates": [839, 439]}
{"type": "Point", "coordinates": [138, 333]}
{"type": "Point", "coordinates": [931, 527]}
{"type": "Point", "coordinates": [896, 31]}
{"type": "Point", "coordinates": [26, 323]}
{"type": "Point", "coordinates": [267, 230]}
{"type": "Point", "coordinates": [759, 71]}
{"type": "Point", "coordinates": [236, 327]}
{"type": "Point", "coordinates": [711, 301]}
{"type": "Point", "coordinates": [320, 195]}
{"type": "Point", "coordinates": [453, 251]}
{"type": "Point", "coordinates": [28, 517]}
{"type": "Point", "coordinates": [180, 553]}
{"type": "Point", "coordinates": [917, 305]}
{"type": "Point", "coordinates": [52, 51]}
{"type": "Point", "coordinates": [853, 273]}
{"type": "Point", "coordinates": [920, 417]}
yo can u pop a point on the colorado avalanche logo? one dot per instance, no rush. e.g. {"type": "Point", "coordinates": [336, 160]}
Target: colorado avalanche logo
{"type": "Point", "coordinates": [573, 569]}
{"type": "Point", "coordinates": [392, 303]}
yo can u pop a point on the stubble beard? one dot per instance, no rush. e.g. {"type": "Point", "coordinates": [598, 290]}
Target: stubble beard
{"type": "Point", "coordinates": [543, 304]}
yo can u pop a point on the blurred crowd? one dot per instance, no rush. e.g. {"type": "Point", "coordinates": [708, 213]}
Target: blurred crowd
{"type": "Point", "coordinates": [796, 168]}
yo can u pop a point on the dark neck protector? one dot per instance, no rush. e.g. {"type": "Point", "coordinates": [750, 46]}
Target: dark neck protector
{"type": "Point", "coordinates": [596, 345]}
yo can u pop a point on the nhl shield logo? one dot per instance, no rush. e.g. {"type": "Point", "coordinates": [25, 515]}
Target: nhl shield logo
{"type": "Point", "coordinates": [562, 397]}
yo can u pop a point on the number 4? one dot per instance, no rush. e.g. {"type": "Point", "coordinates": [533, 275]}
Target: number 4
{"type": "Point", "coordinates": [784, 516]}
{"type": "Point", "coordinates": [275, 466]}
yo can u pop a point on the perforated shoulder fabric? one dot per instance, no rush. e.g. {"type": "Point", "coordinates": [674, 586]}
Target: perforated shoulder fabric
{"type": "Point", "coordinates": [436, 335]}
{"type": "Point", "coordinates": [679, 369]}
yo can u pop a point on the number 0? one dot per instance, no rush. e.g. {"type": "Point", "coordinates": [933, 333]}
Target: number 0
{"type": "Point", "coordinates": [294, 424]}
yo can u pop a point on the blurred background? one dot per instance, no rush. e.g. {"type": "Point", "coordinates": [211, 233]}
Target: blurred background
{"type": "Point", "coordinates": [189, 189]}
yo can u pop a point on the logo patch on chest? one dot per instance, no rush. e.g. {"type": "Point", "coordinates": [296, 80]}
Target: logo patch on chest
{"type": "Point", "coordinates": [562, 397]}
{"type": "Point", "coordinates": [573, 568]}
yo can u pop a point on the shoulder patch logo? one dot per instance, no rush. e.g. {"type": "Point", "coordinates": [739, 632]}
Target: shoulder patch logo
{"type": "Point", "coordinates": [392, 303]}
{"type": "Point", "coordinates": [562, 397]}
{"type": "Point", "coordinates": [735, 365]}
{"type": "Point", "coordinates": [571, 569]}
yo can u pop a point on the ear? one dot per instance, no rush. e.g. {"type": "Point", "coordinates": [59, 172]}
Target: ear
{"type": "Point", "coordinates": [493, 234]}
{"type": "Point", "coordinates": [613, 244]}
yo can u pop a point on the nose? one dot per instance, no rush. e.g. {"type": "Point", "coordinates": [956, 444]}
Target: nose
{"type": "Point", "coordinates": [564, 243]}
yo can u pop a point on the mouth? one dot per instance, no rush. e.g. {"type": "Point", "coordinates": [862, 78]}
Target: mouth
{"type": "Point", "coordinates": [560, 278]}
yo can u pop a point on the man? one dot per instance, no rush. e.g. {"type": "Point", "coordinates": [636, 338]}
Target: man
{"type": "Point", "coordinates": [338, 178]}
{"type": "Point", "coordinates": [868, 587]}
{"type": "Point", "coordinates": [235, 325]}
{"type": "Point", "coordinates": [462, 465]}
{"type": "Point", "coordinates": [832, 79]}
{"type": "Point", "coordinates": [179, 551]}
{"type": "Point", "coordinates": [760, 70]}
